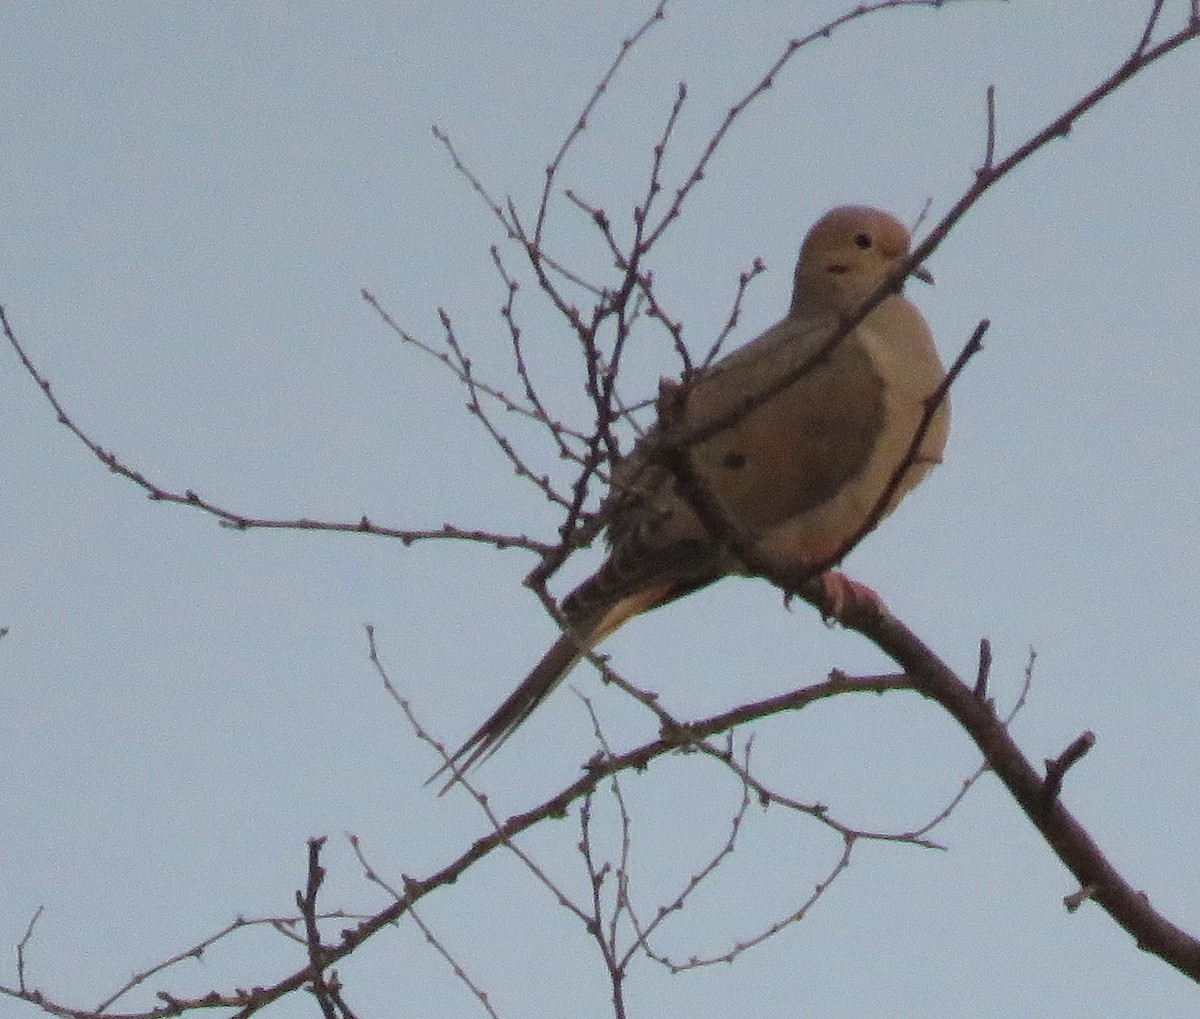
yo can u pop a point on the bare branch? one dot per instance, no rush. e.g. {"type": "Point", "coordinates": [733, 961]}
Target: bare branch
{"type": "Point", "coordinates": [932, 403]}
{"type": "Point", "coordinates": [240, 521]}
{"type": "Point", "coordinates": [1059, 127]}
{"type": "Point", "coordinates": [507, 313]}
{"type": "Point", "coordinates": [710, 866]}
{"type": "Point", "coordinates": [1069, 840]}
{"type": "Point", "coordinates": [23, 944]}
{"type": "Point", "coordinates": [173, 1005]}
{"type": "Point", "coordinates": [1078, 898]}
{"type": "Point", "coordinates": [1148, 32]}
{"type": "Point", "coordinates": [757, 268]}
{"type": "Point", "coordinates": [782, 923]}
{"type": "Point", "coordinates": [456, 967]}
{"type": "Point", "coordinates": [764, 84]}
{"type": "Point", "coordinates": [654, 187]}
{"type": "Point", "coordinates": [979, 772]}
{"type": "Point", "coordinates": [581, 123]}
{"type": "Point", "coordinates": [1057, 767]}
{"type": "Point", "coordinates": [989, 154]}
{"type": "Point", "coordinates": [306, 901]}
{"type": "Point", "coordinates": [459, 779]}
{"type": "Point", "coordinates": [557, 427]}
{"type": "Point", "coordinates": [985, 667]}
{"type": "Point", "coordinates": [511, 226]}
{"type": "Point", "coordinates": [522, 469]}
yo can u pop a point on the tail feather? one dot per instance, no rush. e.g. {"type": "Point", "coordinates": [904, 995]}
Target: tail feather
{"type": "Point", "coordinates": [546, 675]}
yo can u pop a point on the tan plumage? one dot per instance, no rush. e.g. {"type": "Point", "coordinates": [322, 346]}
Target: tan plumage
{"type": "Point", "coordinates": [798, 474]}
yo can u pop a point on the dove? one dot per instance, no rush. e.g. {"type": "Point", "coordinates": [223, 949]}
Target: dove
{"type": "Point", "coordinates": [797, 473]}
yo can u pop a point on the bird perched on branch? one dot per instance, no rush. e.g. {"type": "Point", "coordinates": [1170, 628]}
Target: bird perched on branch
{"type": "Point", "coordinates": [793, 449]}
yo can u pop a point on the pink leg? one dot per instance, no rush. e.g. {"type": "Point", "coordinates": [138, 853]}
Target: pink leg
{"type": "Point", "coordinates": [842, 597]}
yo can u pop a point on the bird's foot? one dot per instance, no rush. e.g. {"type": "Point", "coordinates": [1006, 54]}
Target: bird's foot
{"type": "Point", "coordinates": [842, 599]}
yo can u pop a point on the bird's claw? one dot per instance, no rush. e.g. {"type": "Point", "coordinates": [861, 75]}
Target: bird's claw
{"type": "Point", "coordinates": [842, 598]}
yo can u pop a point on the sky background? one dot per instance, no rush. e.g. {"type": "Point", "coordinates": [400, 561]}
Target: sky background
{"type": "Point", "coordinates": [192, 197]}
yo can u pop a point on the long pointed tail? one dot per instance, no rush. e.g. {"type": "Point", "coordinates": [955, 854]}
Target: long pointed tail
{"type": "Point", "coordinates": [546, 675]}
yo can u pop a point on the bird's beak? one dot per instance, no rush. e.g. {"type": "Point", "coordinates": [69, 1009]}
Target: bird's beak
{"type": "Point", "coordinates": [923, 274]}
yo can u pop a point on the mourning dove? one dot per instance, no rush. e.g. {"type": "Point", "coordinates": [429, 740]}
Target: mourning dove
{"type": "Point", "coordinates": [798, 474]}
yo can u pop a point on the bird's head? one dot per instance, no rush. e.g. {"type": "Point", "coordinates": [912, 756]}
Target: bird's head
{"type": "Point", "coordinates": [845, 258]}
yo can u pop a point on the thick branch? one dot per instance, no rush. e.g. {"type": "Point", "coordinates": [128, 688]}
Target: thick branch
{"type": "Point", "coordinates": [1058, 826]}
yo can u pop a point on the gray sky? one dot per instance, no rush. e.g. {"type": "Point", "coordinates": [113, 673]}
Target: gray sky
{"type": "Point", "coordinates": [192, 197]}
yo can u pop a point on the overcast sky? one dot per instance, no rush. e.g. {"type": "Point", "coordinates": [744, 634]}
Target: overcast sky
{"type": "Point", "coordinates": [192, 197]}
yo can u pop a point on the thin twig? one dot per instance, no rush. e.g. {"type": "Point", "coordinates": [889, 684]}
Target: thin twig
{"type": "Point", "coordinates": [476, 409]}
{"type": "Point", "coordinates": [456, 967]}
{"type": "Point", "coordinates": [912, 455]}
{"type": "Point", "coordinates": [241, 521]}
{"type": "Point", "coordinates": [1057, 767]}
{"type": "Point", "coordinates": [796, 915]}
{"type": "Point", "coordinates": [697, 878]}
{"type": "Point", "coordinates": [507, 402]}
{"type": "Point", "coordinates": [23, 944]}
{"type": "Point", "coordinates": [985, 667]}
{"type": "Point", "coordinates": [284, 925]}
{"type": "Point", "coordinates": [580, 125]}
{"type": "Point", "coordinates": [764, 84]}
{"type": "Point", "coordinates": [1148, 32]}
{"type": "Point", "coordinates": [508, 314]}
{"type": "Point", "coordinates": [989, 154]}
{"type": "Point", "coordinates": [306, 902]}
{"type": "Point", "coordinates": [745, 278]}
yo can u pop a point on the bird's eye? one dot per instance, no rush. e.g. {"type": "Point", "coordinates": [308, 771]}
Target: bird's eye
{"type": "Point", "coordinates": [862, 240]}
